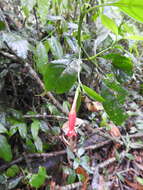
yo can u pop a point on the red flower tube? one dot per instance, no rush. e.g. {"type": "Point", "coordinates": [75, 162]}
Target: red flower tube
{"type": "Point", "coordinates": [72, 121]}
{"type": "Point", "coordinates": [72, 116]}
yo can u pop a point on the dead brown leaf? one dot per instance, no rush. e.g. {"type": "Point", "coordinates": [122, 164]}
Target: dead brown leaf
{"type": "Point", "coordinates": [82, 171]}
{"type": "Point", "coordinates": [93, 106]}
{"type": "Point", "coordinates": [135, 186]}
{"type": "Point", "coordinates": [114, 131]}
{"type": "Point", "coordinates": [65, 126]}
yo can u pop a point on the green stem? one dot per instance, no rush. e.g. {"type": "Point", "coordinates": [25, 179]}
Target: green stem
{"type": "Point", "coordinates": [105, 5]}
{"type": "Point", "coordinates": [75, 98]}
{"type": "Point", "coordinates": [83, 12]}
{"type": "Point", "coordinates": [79, 28]}
{"type": "Point", "coordinates": [101, 52]}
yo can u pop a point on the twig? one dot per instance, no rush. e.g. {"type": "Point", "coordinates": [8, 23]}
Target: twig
{"type": "Point", "coordinates": [98, 145]}
{"type": "Point", "coordinates": [18, 160]}
{"type": "Point", "coordinates": [136, 135]}
{"type": "Point", "coordinates": [62, 152]}
{"type": "Point", "coordinates": [69, 187]}
{"type": "Point", "coordinates": [44, 116]}
{"type": "Point", "coordinates": [97, 131]}
{"type": "Point", "coordinates": [8, 55]}
{"type": "Point", "coordinates": [46, 155]}
{"type": "Point", "coordinates": [52, 154]}
{"type": "Point", "coordinates": [109, 161]}
{"type": "Point", "coordinates": [36, 19]}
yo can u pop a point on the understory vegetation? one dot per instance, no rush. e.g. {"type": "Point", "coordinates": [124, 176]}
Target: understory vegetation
{"type": "Point", "coordinates": [71, 94]}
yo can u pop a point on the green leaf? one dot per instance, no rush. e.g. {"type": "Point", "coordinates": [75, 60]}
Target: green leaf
{"type": "Point", "coordinates": [70, 154]}
{"type": "Point", "coordinates": [14, 182]}
{"type": "Point", "coordinates": [140, 180]}
{"type": "Point", "coordinates": [43, 9]}
{"type": "Point", "coordinates": [133, 8]}
{"type": "Point", "coordinates": [2, 25]}
{"type": "Point", "coordinates": [12, 171]}
{"type": "Point", "coordinates": [38, 179]}
{"type": "Point", "coordinates": [5, 149]}
{"type": "Point", "coordinates": [121, 62]}
{"type": "Point", "coordinates": [35, 128]}
{"type": "Point", "coordinates": [119, 91]}
{"type": "Point", "coordinates": [71, 178]}
{"type": "Point", "coordinates": [19, 45]}
{"type": "Point", "coordinates": [38, 143]}
{"type": "Point", "coordinates": [134, 37]}
{"type": "Point", "coordinates": [80, 151]}
{"type": "Point", "coordinates": [109, 23]}
{"type": "Point", "coordinates": [27, 6]}
{"type": "Point", "coordinates": [72, 44]}
{"type": "Point", "coordinates": [61, 75]}
{"type": "Point", "coordinates": [2, 128]}
{"type": "Point", "coordinates": [92, 94]}
{"type": "Point", "coordinates": [22, 128]}
{"type": "Point", "coordinates": [30, 145]}
{"type": "Point", "coordinates": [113, 107]}
{"type": "Point", "coordinates": [41, 57]}
{"type": "Point", "coordinates": [55, 47]}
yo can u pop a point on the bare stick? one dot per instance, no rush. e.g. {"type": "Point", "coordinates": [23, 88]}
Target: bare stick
{"type": "Point", "coordinates": [69, 187]}
{"type": "Point", "coordinates": [97, 131]}
{"type": "Point", "coordinates": [109, 161]}
{"type": "Point", "coordinates": [52, 154]}
{"type": "Point", "coordinates": [44, 116]}
{"type": "Point", "coordinates": [62, 152]}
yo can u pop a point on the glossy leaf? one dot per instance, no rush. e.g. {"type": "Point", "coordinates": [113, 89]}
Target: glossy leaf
{"type": "Point", "coordinates": [43, 8]}
{"type": "Point", "coordinates": [5, 149]}
{"type": "Point", "coordinates": [55, 47]}
{"type": "Point", "coordinates": [12, 171]}
{"type": "Point", "coordinates": [38, 179]}
{"type": "Point", "coordinates": [2, 25]}
{"type": "Point", "coordinates": [92, 94]}
{"type": "Point", "coordinates": [27, 6]}
{"type": "Point", "coordinates": [35, 128]}
{"type": "Point", "coordinates": [72, 44]}
{"type": "Point", "coordinates": [41, 57]}
{"type": "Point", "coordinates": [109, 23]}
{"type": "Point", "coordinates": [140, 180]}
{"type": "Point", "coordinates": [38, 143]}
{"type": "Point", "coordinates": [22, 128]}
{"type": "Point", "coordinates": [133, 8]}
{"type": "Point", "coordinates": [14, 182]}
{"type": "Point", "coordinates": [2, 128]}
{"type": "Point", "coordinates": [61, 75]}
{"type": "Point", "coordinates": [120, 92]}
{"type": "Point", "coordinates": [54, 18]}
{"type": "Point", "coordinates": [19, 45]}
{"type": "Point", "coordinates": [113, 107]}
{"type": "Point", "coordinates": [134, 37]}
{"type": "Point", "coordinates": [121, 62]}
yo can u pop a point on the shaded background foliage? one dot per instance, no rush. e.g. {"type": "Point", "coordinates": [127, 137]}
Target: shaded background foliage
{"type": "Point", "coordinates": [56, 46]}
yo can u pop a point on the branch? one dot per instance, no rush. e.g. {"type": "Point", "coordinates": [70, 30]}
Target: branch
{"type": "Point", "coordinates": [70, 186]}
{"type": "Point", "coordinates": [52, 154]}
{"type": "Point", "coordinates": [63, 152]}
{"type": "Point", "coordinates": [44, 116]}
{"type": "Point", "coordinates": [99, 132]}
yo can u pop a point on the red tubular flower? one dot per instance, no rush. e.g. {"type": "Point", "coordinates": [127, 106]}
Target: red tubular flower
{"type": "Point", "coordinates": [72, 116]}
{"type": "Point", "coordinates": [72, 121]}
